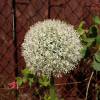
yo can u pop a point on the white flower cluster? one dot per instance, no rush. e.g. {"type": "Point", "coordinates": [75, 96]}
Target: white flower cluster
{"type": "Point", "coordinates": [51, 46]}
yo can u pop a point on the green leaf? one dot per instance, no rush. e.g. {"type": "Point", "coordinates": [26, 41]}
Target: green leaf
{"type": "Point", "coordinates": [81, 24]}
{"type": "Point", "coordinates": [30, 84]}
{"type": "Point", "coordinates": [44, 81]}
{"type": "Point", "coordinates": [96, 20]}
{"type": "Point", "coordinates": [98, 39]}
{"type": "Point", "coordinates": [89, 41]}
{"type": "Point", "coordinates": [83, 51]}
{"type": "Point", "coordinates": [31, 80]}
{"type": "Point", "coordinates": [80, 28]}
{"type": "Point", "coordinates": [26, 72]}
{"type": "Point", "coordinates": [47, 97]}
{"type": "Point", "coordinates": [83, 36]}
{"type": "Point", "coordinates": [97, 56]}
{"type": "Point", "coordinates": [19, 81]}
{"type": "Point", "coordinates": [96, 65]}
{"type": "Point", "coordinates": [93, 30]}
{"type": "Point", "coordinates": [24, 80]}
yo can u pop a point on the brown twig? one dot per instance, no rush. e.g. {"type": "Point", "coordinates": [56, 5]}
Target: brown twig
{"type": "Point", "coordinates": [71, 83]}
{"type": "Point", "coordinates": [88, 85]}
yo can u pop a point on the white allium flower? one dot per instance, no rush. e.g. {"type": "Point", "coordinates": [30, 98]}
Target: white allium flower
{"type": "Point", "coordinates": [51, 46]}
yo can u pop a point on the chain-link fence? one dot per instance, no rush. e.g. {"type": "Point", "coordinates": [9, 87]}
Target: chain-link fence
{"type": "Point", "coordinates": [16, 16]}
{"type": "Point", "coordinates": [7, 63]}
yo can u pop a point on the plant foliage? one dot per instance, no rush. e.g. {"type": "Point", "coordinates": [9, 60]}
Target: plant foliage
{"type": "Point", "coordinates": [91, 39]}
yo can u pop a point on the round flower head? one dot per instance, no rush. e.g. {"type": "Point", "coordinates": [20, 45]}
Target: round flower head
{"type": "Point", "coordinates": [51, 46]}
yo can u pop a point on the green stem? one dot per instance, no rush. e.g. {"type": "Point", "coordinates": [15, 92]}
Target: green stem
{"type": "Point", "coordinates": [53, 95]}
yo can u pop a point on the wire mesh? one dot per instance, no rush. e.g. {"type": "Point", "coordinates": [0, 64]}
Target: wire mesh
{"type": "Point", "coordinates": [27, 13]}
{"type": "Point", "coordinates": [7, 63]}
